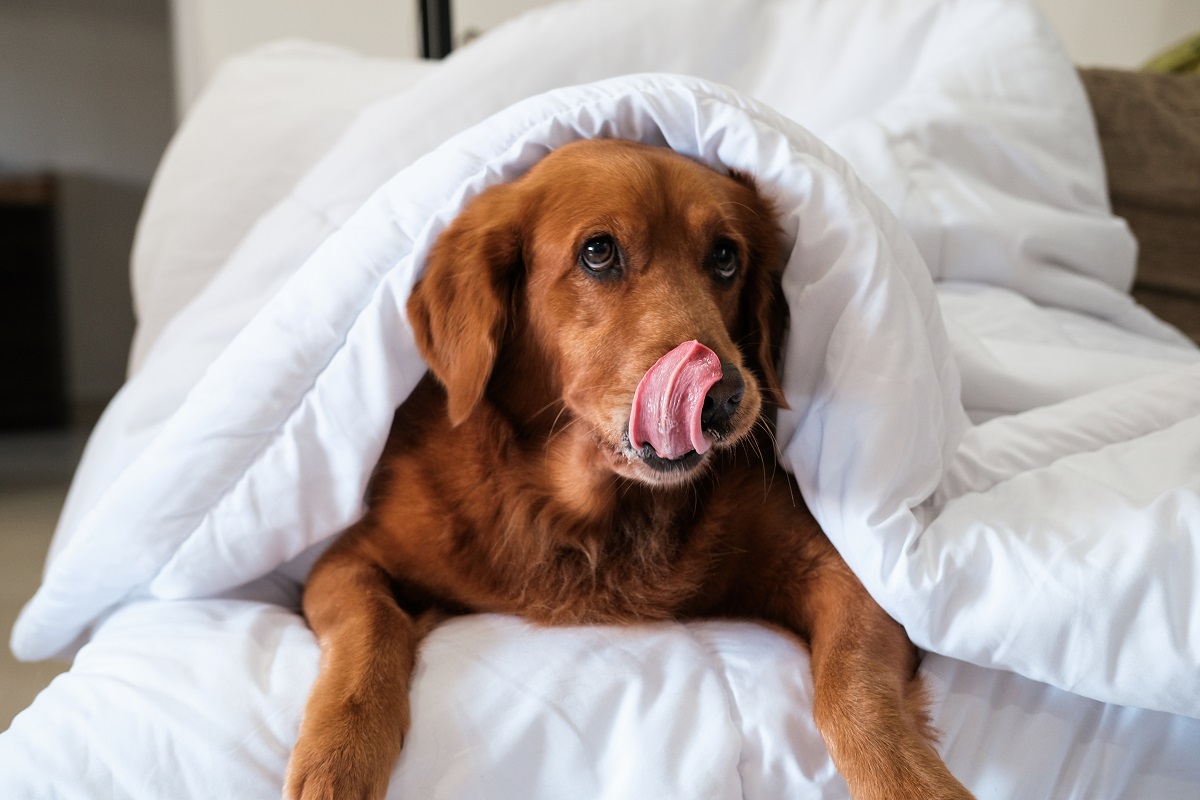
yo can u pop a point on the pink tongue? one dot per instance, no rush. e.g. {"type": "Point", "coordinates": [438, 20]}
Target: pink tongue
{"type": "Point", "coordinates": [670, 398]}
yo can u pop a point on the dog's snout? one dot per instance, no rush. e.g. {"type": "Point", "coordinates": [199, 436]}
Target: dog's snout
{"type": "Point", "coordinates": [723, 399]}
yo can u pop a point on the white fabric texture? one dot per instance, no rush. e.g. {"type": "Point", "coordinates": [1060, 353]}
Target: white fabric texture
{"type": "Point", "coordinates": [1055, 539]}
{"type": "Point", "coordinates": [202, 699]}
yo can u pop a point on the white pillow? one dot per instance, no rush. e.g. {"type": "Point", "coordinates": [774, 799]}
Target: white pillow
{"type": "Point", "coordinates": [263, 121]}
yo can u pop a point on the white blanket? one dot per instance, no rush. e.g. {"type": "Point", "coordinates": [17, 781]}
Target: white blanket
{"type": "Point", "coordinates": [1059, 542]}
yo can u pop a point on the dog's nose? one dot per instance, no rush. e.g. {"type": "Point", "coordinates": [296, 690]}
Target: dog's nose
{"type": "Point", "coordinates": [722, 399]}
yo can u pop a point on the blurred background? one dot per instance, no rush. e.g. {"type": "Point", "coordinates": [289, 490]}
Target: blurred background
{"type": "Point", "coordinates": [90, 94]}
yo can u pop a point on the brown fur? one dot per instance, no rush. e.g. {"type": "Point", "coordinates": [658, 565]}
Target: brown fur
{"type": "Point", "coordinates": [508, 484]}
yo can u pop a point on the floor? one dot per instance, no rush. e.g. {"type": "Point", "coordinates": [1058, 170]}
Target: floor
{"type": "Point", "coordinates": [35, 470]}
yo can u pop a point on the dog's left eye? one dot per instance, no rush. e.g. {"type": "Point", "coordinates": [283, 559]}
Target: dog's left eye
{"type": "Point", "coordinates": [599, 254]}
{"type": "Point", "coordinates": [725, 259]}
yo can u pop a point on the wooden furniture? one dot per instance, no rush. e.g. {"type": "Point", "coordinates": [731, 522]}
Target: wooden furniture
{"type": "Point", "coordinates": [32, 382]}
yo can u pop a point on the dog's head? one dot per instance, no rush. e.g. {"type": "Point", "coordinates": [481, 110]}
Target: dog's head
{"type": "Point", "coordinates": [624, 286]}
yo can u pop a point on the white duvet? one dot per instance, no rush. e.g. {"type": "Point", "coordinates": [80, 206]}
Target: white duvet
{"type": "Point", "coordinates": [1000, 442]}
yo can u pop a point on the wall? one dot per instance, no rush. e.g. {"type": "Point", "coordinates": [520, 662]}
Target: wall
{"type": "Point", "coordinates": [1121, 33]}
{"type": "Point", "coordinates": [206, 32]}
{"type": "Point", "coordinates": [82, 86]}
{"type": "Point", "coordinates": [86, 93]}
{"type": "Point", "coordinates": [471, 17]}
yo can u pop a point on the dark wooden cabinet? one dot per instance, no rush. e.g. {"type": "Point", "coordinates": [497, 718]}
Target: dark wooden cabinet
{"type": "Point", "coordinates": [32, 383]}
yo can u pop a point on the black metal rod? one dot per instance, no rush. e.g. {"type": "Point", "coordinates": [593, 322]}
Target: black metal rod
{"type": "Point", "coordinates": [436, 29]}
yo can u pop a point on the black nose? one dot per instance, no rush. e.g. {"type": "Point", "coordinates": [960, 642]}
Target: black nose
{"type": "Point", "coordinates": [722, 400]}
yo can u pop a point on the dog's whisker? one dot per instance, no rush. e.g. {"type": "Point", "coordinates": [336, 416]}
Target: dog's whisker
{"type": "Point", "coordinates": [775, 465]}
{"type": "Point", "coordinates": [558, 401]}
{"type": "Point", "coordinates": [753, 211]}
{"type": "Point", "coordinates": [554, 424]}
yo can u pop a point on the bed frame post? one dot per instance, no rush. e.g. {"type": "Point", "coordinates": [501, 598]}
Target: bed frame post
{"type": "Point", "coordinates": [435, 28]}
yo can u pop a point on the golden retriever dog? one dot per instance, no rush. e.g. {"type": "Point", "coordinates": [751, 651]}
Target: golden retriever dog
{"type": "Point", "coordinates": [592, 444]}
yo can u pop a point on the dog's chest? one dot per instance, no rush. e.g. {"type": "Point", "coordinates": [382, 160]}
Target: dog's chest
{"type": "Point", "coordinates": [643, 564]}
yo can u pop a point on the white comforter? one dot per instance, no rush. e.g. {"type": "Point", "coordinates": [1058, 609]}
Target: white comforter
{"type": "Point", "coordinates": [1056, 539]}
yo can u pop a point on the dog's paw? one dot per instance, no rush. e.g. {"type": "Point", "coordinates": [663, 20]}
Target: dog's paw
{"type": "Point", "coordinates": [320, 772]}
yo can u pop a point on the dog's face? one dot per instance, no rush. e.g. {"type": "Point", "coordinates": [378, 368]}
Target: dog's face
{"type": "Point", "coordinates": [637, 286]}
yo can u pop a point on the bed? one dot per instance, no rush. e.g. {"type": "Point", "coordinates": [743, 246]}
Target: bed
{"type": "Point", "coordinates": [1003, 444]}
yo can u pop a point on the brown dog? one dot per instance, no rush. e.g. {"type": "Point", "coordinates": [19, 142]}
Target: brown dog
{"type": "Point", "coordinates": [592, 446]}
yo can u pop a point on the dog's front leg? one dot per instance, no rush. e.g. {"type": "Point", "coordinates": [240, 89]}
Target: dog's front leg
{"type": "Point", "coordinates": [358, 713]}
{"type": "Point", "coordinates": [869, 705]}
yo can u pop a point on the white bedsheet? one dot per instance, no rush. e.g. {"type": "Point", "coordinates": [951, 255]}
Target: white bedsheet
{"type": "Point", "coordinates": [202, 699]}
{"type": "Point", "coordinates": [1056, 540]}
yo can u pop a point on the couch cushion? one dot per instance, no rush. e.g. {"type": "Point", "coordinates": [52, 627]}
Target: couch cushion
{"type": "Point", "coordinates": [1149, 127]}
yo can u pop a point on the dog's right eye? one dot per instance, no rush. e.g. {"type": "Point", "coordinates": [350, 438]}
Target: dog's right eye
{"type": "Point", "coordinates": [599, 254]}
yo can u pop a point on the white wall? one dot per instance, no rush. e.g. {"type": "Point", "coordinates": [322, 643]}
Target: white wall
{"type": "Point", "coordinates": [206, 32]}
{"type": "Point", "coordinates": [1121, 33]}
{"type": "Point", "coordinates": [476, 16]}
{"type": "Point", "coordinates": [83, 86]}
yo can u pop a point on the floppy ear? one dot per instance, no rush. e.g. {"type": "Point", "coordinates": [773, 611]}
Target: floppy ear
{"type": "Point", "coordinates": [459, 308]}
{"type": "Point", "coordinates": [763, 315]}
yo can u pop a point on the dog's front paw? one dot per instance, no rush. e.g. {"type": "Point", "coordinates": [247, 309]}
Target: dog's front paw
{"type": "Point", "coordinates": [333, 771]}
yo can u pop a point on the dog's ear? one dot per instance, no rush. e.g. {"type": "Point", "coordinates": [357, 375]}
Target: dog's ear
{"type": "Point", "coordinates": [459, 308]}
{"type": "Point", "coordinates": [764, 311]}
